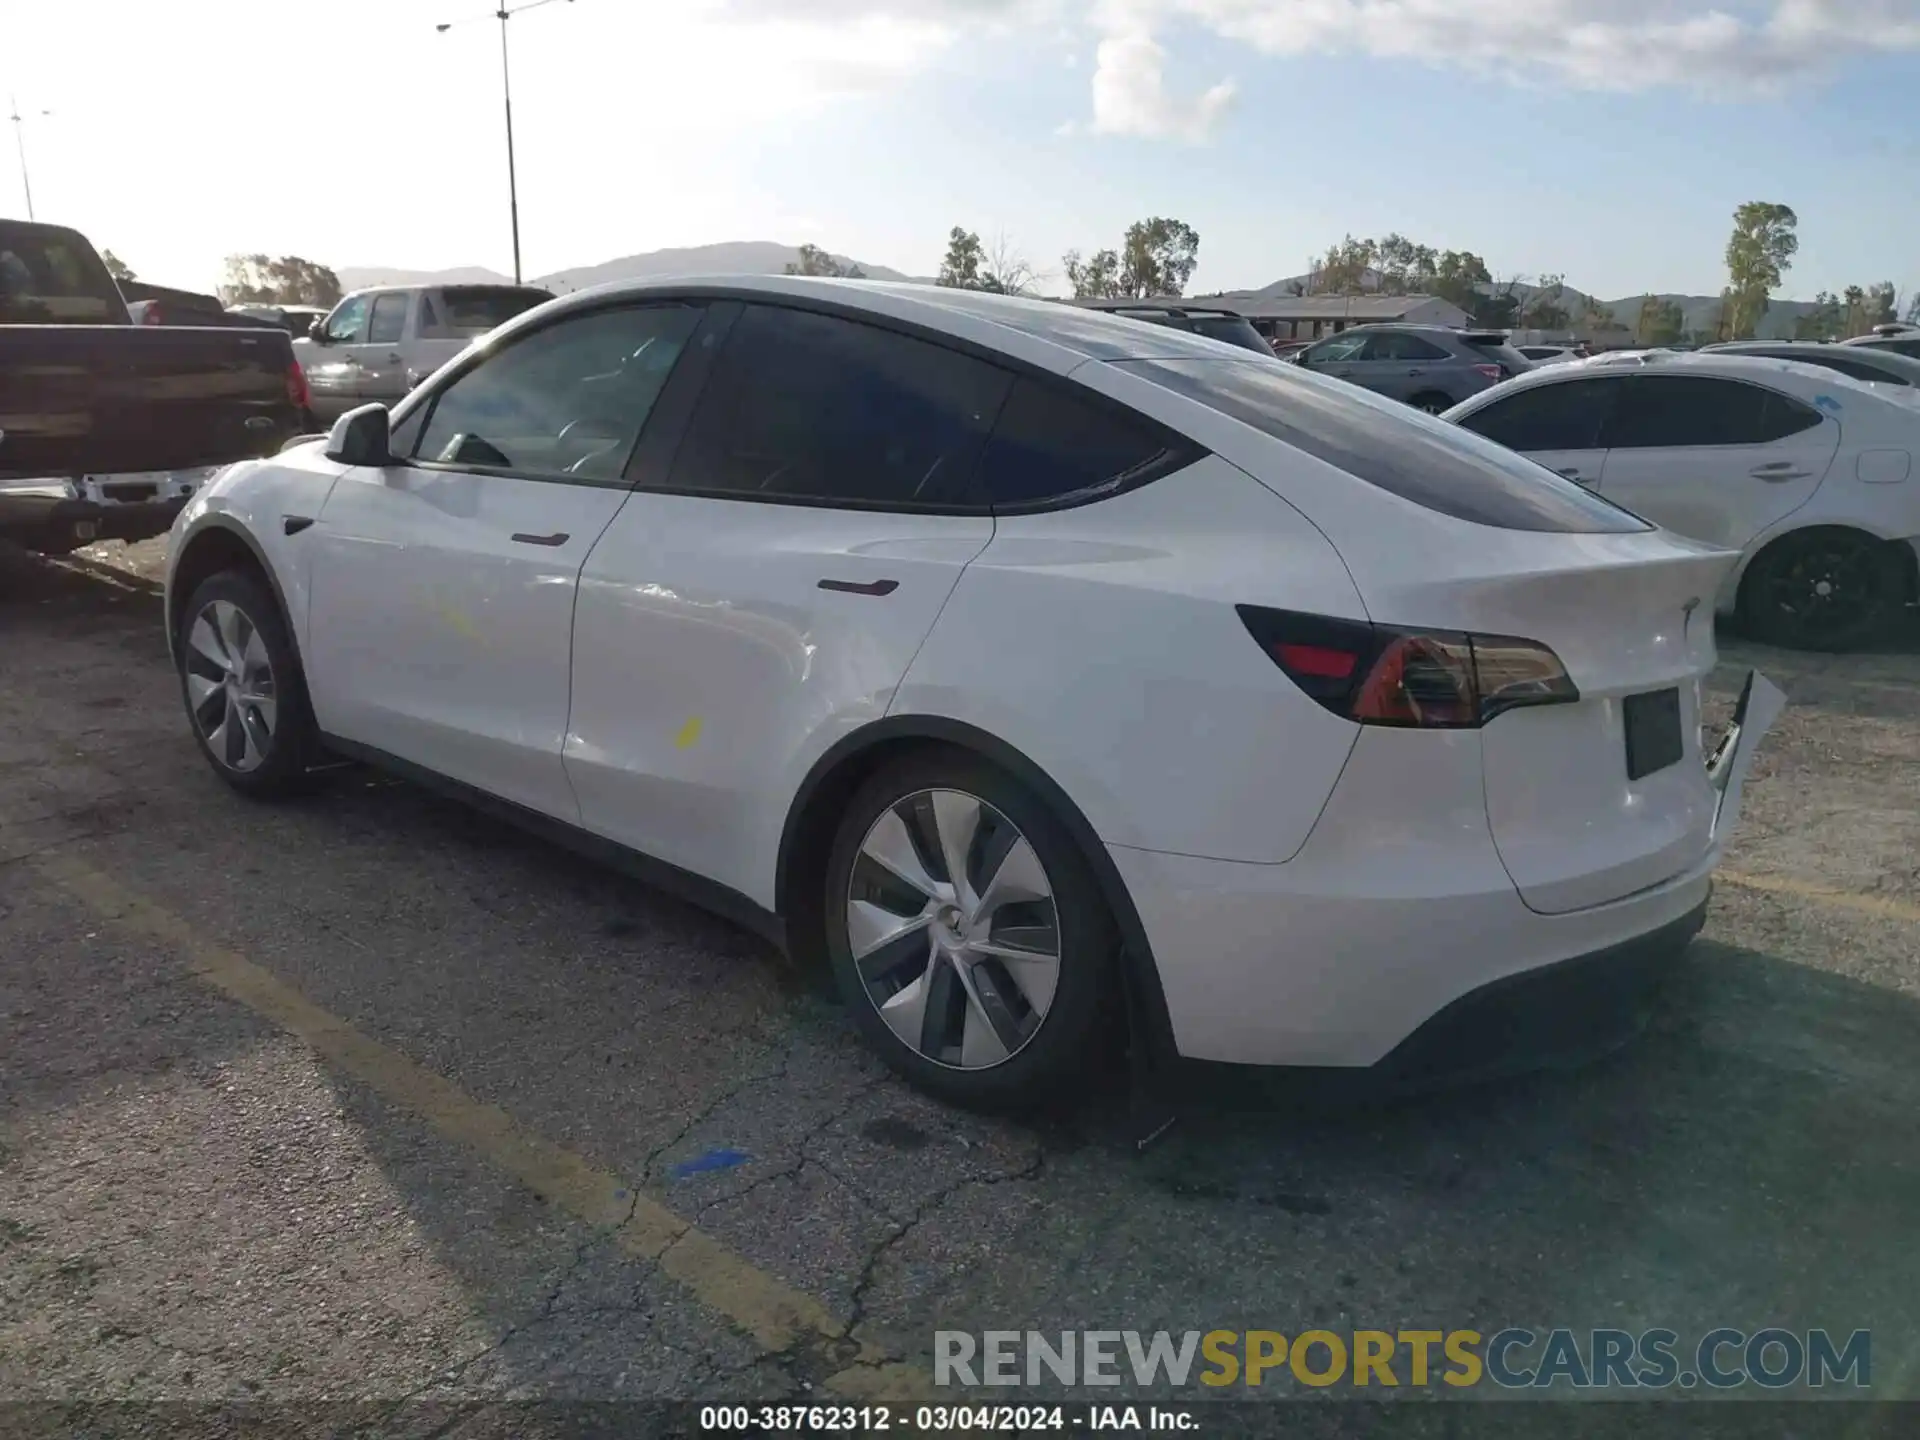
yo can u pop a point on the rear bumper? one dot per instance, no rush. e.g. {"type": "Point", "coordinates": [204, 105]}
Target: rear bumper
{"type": "Point", "coordinates": [1562, 1014]}
{"type": "Point", "coordinates": [33, 522]}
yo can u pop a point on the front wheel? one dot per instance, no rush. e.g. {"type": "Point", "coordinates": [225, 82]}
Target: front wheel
{"type": "Point", "coordinates": [1825, 588]}
{"type": "Point", "coordinates": [968, 934]}
{"type": "Point", "coordinates": [245, 696]}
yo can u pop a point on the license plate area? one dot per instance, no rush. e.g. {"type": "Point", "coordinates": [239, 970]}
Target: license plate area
{"type": "Point", "coordinates": [1653, 731]}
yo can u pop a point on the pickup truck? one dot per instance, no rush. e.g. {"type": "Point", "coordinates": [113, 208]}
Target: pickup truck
{"type": "Point", "coordinates": [378, 344]}
{"type": "Point", "coordinates": [103, 423]}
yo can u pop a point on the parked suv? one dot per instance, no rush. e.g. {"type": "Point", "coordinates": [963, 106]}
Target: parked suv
{"type": "Point", "coordinates": [1429, 366]}
{"type": "Point", "coordinates": [1211, 321]}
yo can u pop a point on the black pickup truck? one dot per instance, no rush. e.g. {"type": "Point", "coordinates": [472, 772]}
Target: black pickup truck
{"type": "Point", "coordinates": [97, 412]}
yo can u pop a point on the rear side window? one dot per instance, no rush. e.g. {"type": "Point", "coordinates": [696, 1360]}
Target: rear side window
{"type": "Point", "coordinates": [1569, 415]}
{"type": "Point", "coordinates": [466, 312]}
{"type": "Point", "coordinates": [1870, 373]}
{"type": "Point", "coordinates": [1497, 349]}
{"type": "Point", "coordinates": [803, 406]}
{"type": "Point", "coordinates": [1438, 466]}
{"type": "Point", "coordinates": [1233, 329]}
{"type": "Point", "coordinates": [50, 276]}
{"type": "Point", "coordinates": [1672, 411]}
{"type": "Point", "coordinates": [1048, 444]}
{"type": "Point", "coordinates": [1402, 347]}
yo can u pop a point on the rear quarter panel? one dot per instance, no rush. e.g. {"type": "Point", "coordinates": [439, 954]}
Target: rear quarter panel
{"type": "Point", "coordinates": [1102, 642]}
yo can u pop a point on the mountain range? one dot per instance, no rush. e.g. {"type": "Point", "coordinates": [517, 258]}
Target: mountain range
{"type": "Point", "coordinates": [766, 257]}
{"type": "Point", "coordinates": [733, 257]}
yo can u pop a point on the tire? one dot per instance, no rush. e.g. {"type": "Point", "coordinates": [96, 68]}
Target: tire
{"type": "Point", "coordinates": [1433, 403]}
{"type": "Point", "coordinates": [995, 1037]}
{"type": "Point", "coordinates": [250, 718]}
{"type": "Point", "coordinates": [1825, 588]}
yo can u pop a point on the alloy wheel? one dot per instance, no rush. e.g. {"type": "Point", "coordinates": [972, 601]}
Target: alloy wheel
{"type": "Point", "coordinates": [1825, 588]}
{"type": "Point", "coordinates": [230, 686]}
{"type": "Point", "coordinates": [951, 923]}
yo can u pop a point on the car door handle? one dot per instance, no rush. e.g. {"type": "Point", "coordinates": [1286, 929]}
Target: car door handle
{"type": "Point", "coordinates": [855, 587]}
{"type": "Point", "coordinates": [396, 359]}
{"type": "Point", "coordinates": [1343, 374]}
{"type": "Point", "coordinates": [559, 537]}
{"type": "Point", "coordinates": [1416, 372]}
{"type": "Point", "coordinates": [1780, 470]}
{"type": "Point", "coordinates": [1569, 474]}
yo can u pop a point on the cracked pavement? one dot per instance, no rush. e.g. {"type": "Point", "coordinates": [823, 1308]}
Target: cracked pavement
{"type": "Point", "coordinates": [194, 1205]}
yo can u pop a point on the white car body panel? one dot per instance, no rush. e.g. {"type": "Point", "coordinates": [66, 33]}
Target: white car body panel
{"type": "Point", "coordinates": [1722, 494]}
{"type": "Point", "coordinates": [437, 636]}
{"type": "Point", "coordinates": [721, 670]}
{"type": "Point", "coordinates": [1312, 890]}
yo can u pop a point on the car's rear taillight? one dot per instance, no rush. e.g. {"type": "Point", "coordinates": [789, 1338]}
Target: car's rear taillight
{"type": "Point", "coordinates": [297, 393]}
{"type": "Point", "coordinates": [1492, 372]}
{"type": "Point", "coordinates": [1423, 679]}
{"type": "Point", "coordinates": [151, 315]}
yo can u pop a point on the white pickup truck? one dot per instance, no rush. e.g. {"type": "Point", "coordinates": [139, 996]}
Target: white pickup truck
{"type": "Point", "coordinates": [377, 344]}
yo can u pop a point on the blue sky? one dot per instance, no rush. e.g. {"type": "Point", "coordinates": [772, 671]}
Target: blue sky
{"type": "Point", "coordinates": [1606, 139]}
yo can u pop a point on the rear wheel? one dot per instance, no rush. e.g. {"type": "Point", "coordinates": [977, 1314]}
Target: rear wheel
{"type": "Point", "coordinates": [968, 934]}
{"type": "Point", "coordinates": [241, 681]}
{"type": "Point", "coordinates": [1826, 588]}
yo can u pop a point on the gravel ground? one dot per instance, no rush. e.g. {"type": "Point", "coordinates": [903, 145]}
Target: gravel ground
{"type": "Point", "coordinates": [195, 1204]}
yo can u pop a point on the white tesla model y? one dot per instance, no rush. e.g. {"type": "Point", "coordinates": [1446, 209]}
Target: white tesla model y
{"type": "Point", "coordinates": [1017, 657]}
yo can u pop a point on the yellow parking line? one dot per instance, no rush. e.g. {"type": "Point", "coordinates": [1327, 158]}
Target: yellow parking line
{"type": "Point", "coordinates": [1885, 906]}
{"type": "Point", "coordinates": [759, 1304]}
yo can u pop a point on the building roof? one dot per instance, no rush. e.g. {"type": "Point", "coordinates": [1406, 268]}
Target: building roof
{"type": "Point", "coordinates": [1333, 307]}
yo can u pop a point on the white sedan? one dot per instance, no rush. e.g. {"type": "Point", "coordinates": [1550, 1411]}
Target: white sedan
{"type": "Point", "coordinates": [1050, 674]}
{"type": "Point", "coordinates": [1808, 473]}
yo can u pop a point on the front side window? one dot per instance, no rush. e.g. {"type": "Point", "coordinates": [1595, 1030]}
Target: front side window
{"type": "Point", "coordinates": [1567, 415]}
{"type": "Point", "coordinates": [389, 322]}
{"type": "Point", "coordinates": [803, 406]}
{"type": "Point", "coordinates": [567, 400]}
{"type": "Point", "coordinates": [1432, 464]}
{"type": "Point", "coordinates": [348, 322]}
{"type": "Point", "coordinates": [1677, 411]}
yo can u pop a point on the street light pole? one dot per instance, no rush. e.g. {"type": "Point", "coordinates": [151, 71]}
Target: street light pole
{"type": "Point", "coordinates": [503, 14]}
{"type": "Point", "coordinates": [20, 144]}
{"type": "Point", "coordinates": [513, 185]}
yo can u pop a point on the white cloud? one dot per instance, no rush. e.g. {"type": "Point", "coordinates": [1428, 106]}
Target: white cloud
{"type": "Point", "coordinates": [1588, 44]}
{"type": "Point", "coordinates": [1130, 94]}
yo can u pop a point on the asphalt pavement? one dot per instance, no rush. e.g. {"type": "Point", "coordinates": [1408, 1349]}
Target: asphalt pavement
{"type": "Point", "coordinates": [367, 1098]}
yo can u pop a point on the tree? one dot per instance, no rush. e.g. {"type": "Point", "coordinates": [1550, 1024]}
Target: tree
{"type": "Point", "coordinates": [1007, 271]}
{"type": "Point", "coordinates": [1343, 269]}
{"type": "Point", "coordinates": [965, 255]}
{"type": "Point", "coordinates": [969, 265]}
{"type": "Point", "coordinates": [1402, 266]}
{"type": "Point", "coordinates": [815, 261]}
{"type": "Point", "coordinates": [1661, 322]}
{"type": "Point", "coordinates": [1824, 321]}
{"type": "Point", "coordinates": [1546, 308]}
{"type": "Point", "coordinates": [116, 267]}
{"type": "Point", "coordinates": [1095, 278]}
{"type": "Point", "coordinates": [1869, 307]}
{"type": "Point", "coordinates": [1458, 275]}
{"type": "Point", "coordinates": [1759, 252]}
{"type": "Point", "coordinates": [289, 280]}
{"type": "Point", "coordinates": [1157, 257]}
